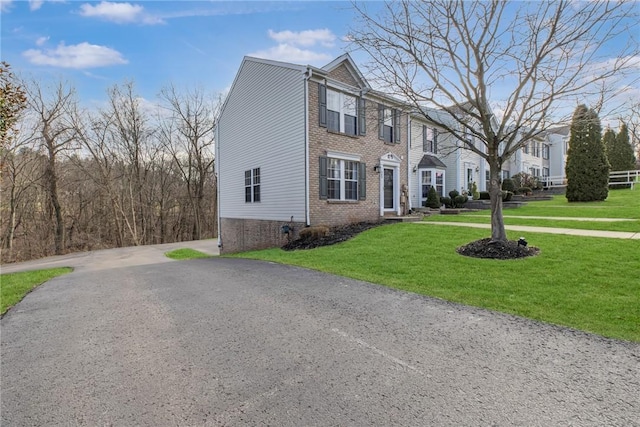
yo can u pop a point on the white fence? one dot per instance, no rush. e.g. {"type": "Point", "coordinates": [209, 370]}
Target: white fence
{"type": "Point", "coordinates": [628, 178]}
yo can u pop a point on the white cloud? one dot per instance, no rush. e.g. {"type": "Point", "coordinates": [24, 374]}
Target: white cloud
{"type": "Point", "coordinates": [79, 56]}
{"type": "Point", "coordinates": [293, 46]}
{"type": "Point", "coordinates": [41, 40]}
{"type": "Point", "coordinates": [288, 53]}
{"type": "Point", "coordinates": [5, 5]}
{"type": "Point", "coordinates": [35, 4]}
{"type": "Point", "coordinates": [304, 38]}
{"type": "Point", "coordinates": [120, 13]}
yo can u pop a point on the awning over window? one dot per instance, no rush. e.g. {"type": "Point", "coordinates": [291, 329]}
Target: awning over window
{"type": "Point", "coordinates": [431, 162]}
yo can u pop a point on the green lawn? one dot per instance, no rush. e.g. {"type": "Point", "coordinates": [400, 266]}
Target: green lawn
{"type": "Point", "coordinates": [586, 283]}
{"type": "Point", "coordinates": [619, 204]}
{"type": "Point", "coordinates": [14, 286]}
{"type": "Point", "coordinates": [185, 253]}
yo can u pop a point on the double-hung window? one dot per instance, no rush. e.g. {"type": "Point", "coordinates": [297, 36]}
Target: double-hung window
{"type": "Point", "coordinates": [341, 112]}
{"type": "Point", "coordinates": [252, 185]}
{"type": "Point", "coordinates": [388, 124]}
{"type": "Point", "coordinates": [429, 139]}
{"type": "Point", "coordinates": [545, 151]}
{"type": "Point", "coordinates": [342, 179]}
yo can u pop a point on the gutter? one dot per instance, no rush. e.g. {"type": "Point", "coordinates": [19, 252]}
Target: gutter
{"type": "Point", "coordinates": [217, 172]}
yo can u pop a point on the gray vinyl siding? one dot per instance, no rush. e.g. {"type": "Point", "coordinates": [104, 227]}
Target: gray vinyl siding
{"type": "Point", "coordinates": [263, 126]}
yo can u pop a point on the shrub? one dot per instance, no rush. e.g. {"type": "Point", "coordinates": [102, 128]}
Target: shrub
{"type": "Point", "coordinates": [523, 190]}
{"type": "Point", "coordinates": [453, 194]}
{"type": "Point", "coordinates": [446, 201]}
{"type": "Point", "coordinates": [506, 195]}
{"type": "Point", "coordinates": [433, 201]}
{"type": "Point", "coordinates": [484, 195]}
{"type": "Point", "coordinates": [508, 185]}
{"type": "Point", "coordinates": [459, 201]}
{"type": "Point", "coordinates": [314, 232]}
{"type": "Point", "coordinates": [523, 179]}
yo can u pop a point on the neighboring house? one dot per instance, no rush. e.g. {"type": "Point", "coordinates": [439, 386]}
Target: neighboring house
{"type": "Point", "coordinates": [300, 145]}
{"type": "Point", "coordinates": [437, 158]}
{"type": "Point", "coordinates": [558, 140]}
{"type": "Point", "coordinates": [533, 158]}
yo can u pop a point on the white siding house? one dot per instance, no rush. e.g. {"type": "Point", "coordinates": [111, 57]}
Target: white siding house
{"type": "Point", "coordinates": [246, 127]}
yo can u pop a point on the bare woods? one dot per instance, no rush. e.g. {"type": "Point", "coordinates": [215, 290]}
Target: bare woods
{"type": "Point", "coordinates": [126, 173]}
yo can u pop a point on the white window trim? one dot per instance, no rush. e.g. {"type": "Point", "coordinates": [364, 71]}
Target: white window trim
{"type": "Point", "coordinates": [344, 156]}
{"type": "Point", "coordinates": [342, 180]}
{"type": "Point", "coordinates": [433, 180]}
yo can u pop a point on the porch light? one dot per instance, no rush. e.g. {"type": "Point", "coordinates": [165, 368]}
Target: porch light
{"type": "Point", "coordinates": [376, 168]}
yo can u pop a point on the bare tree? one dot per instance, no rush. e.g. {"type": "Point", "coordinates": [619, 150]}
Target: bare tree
{"type": "Point", "coordinates": [13, 101]}
{"type": "Point", "coordinates": [632, 120]}
{"type": "Point", "coordinates": [188, 135]}
{"type": "Point", "coordinates": [55, 134]}
{"type": "Point", "coordinates": [467, 58]}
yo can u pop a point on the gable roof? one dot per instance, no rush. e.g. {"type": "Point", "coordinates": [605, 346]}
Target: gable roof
{"type": "Point", "coordinates": [351, 66]}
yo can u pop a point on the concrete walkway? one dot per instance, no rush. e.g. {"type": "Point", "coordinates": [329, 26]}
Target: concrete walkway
{"type": "Point", "coordinates": [570, 218]}
{"type": "Point", "coordinates": [551, 230]}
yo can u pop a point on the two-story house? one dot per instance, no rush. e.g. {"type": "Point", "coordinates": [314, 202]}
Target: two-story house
{"type": "Point", "coordinates": [302, 145]}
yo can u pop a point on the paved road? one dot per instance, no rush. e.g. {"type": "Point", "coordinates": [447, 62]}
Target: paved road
{"type": "Point", "coordinates": [230, 342]}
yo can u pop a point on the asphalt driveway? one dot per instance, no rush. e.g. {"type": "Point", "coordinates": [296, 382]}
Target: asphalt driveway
{"type": "Point", "coordinates": [230, 342]}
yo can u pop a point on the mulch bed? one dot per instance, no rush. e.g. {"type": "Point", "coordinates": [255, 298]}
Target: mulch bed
{"type": "Point", "coordinates": [485, 248]}
{"type": "Point", "coordinates": [335, 235]}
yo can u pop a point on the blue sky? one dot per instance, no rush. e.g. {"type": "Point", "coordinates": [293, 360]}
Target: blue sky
{"type": "Point", "coordinates": [94, 45]}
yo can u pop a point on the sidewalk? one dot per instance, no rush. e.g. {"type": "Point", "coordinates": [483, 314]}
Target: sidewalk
{"type": "Point", "coordinates": [530, 229]}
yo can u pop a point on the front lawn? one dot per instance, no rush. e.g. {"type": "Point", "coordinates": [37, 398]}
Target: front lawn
{"type": "Point", "coordinates": [14, 286]}
{"type": "Point", "coordinates": [586, 283]}
{"type": "Point", "coordinates": [621, 204]}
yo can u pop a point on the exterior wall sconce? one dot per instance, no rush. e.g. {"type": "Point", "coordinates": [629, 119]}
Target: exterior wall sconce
{"type": "Point", "coordinates": [376, 168]}
{"type": "Point", "coordinates": [415, 169]}
{"type": "Point", "coordinates": [477, 168]}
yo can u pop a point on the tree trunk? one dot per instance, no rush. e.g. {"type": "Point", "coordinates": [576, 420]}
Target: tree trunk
{"type": "Point", "coordinates": [55, 202]}
{"type": "Point", "coordinates": [498, 233]}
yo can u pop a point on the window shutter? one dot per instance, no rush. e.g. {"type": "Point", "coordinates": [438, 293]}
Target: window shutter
{"type": "Point", "coordinates": [380, 121]}
{"type": "Point", "coordinates": [362, 114]}
{"type": "Point", "coordinates": [362, 181]}
{"type": "Point", "coordinates": [322, 105]}
{"type": "Point", "coordinates": [396, 125]}
{"type": "Point", "coordinates": [322, 172]}
{"type": "Point", "coordinates": [435, 140]}
{"type": "Point", "coordinates": [424, 139]}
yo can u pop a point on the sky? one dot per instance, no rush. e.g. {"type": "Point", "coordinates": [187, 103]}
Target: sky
{"type": "Point", "coordinates": [94, 45]}
{"type": "Point", "coordinates": [191, 44]}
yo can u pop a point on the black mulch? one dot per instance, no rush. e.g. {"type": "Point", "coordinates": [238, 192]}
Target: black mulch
{"type": "Point", "coordinates": [484, 248]}
{"type": "Point", "coordinates": [335, 235]}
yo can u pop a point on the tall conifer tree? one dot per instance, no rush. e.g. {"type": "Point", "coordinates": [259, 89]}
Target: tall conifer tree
{"type": "Point", "coordinates": [620, 154]}
{"type": "Point", "coordinates": [587, 165]}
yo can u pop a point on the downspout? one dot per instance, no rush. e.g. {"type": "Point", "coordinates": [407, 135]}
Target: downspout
{"type": "Point", "coordinates": [306, 146]}
{"type": "Point", "coordinates": [217, 166]}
